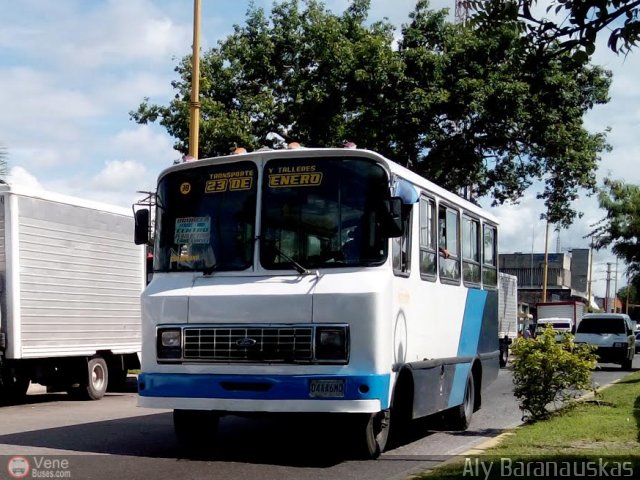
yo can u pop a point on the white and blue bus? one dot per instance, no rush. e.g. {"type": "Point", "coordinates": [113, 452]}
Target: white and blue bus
{"type": "Point", "coordinates": [329, 281]}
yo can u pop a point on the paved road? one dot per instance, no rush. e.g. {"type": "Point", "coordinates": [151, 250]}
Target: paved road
{"type": "Point", "coordinates": [114, 439]}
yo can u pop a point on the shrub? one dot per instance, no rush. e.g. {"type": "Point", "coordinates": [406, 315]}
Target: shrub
{"type": "Point", "coordinates": [546, 371]}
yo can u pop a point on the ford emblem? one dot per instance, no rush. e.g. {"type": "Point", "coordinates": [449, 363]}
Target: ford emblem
{"type": "Point", "coordinates": [246, 342]}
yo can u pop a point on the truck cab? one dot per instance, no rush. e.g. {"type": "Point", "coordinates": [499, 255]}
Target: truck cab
{"type": "Point", "coordinates": [559, 325]}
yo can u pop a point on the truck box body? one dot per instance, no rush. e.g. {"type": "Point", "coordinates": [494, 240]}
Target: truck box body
{"type": "Point", "coordinates": [568, 309]}
{"type": "Point", "coordinates": [507, 306]}
{"type": "Point", "coordinates": [71, 277]}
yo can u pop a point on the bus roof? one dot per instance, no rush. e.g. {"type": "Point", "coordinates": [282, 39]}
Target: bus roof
{"type": "Point", "coordinates": [392, 167]}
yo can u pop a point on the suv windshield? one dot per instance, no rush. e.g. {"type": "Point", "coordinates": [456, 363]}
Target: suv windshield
{"type": "Point", "coordinates": [205, 218]}
{"type": "Point", "coordinates": [601, 325]}
{"type": "Point", "coordinates": [323, 212]}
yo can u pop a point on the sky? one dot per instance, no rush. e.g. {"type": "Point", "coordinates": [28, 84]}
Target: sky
{"type": "Point", "coordinates": [72, 70]}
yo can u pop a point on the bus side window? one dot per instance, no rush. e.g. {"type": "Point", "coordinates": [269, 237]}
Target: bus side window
{"type": "Point", "coordinates": [470, 250]}
{"type": "Point", "coordinates": [489, 256]}
{"type": "Point", "coordinates": [448, 226]}
{"type": "Point", "coordinates": [401, 249]}
{"type": "Point", "coordinates": [428, 263]}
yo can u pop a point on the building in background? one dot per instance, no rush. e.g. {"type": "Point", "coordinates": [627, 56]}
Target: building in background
{"type": "Point", "coordinates": [567, 275]}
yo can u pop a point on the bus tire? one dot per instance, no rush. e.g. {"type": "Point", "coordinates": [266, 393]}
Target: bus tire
{"type": "Point", "coordinates": [195, 428]}
{"type": "Point", "coordinates": [459, 418]}
{"type": "Point", "coordinates": [370, 433]}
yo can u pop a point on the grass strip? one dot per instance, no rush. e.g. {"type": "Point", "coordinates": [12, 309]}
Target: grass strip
{"type": "Point", "coordinates": [596, 437]}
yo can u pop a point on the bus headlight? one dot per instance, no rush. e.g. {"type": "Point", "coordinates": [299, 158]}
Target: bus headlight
{"type": "Point", "coordinates": [331, 343]}
{"type": "Point", "coordinates": [169, 343]}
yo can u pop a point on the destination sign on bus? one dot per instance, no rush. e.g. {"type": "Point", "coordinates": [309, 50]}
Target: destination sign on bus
{"type": "Point", "coordinates": [294, 176]}
{"type": "Point", "coordinates": [229, 181]}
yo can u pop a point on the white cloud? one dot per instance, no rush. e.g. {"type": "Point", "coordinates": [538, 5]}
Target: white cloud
{"type": "Point", "coordinates": [119, 175]}
{"type": "Point", "coordinates": [20, 176]}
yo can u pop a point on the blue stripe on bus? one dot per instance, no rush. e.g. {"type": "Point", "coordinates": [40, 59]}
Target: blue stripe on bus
{"type": "Point", "coordinates": [470, 335]}
{"type": "Point", "coordinates": [259, 387]}
{"type": "Point", "coordinates": [472, 323]}
{"type": "Point", "coordinates": [456, 395]}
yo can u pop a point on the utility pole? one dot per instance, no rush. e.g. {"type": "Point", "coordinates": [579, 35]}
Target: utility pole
{"type": "Point", "coordinates": [615, 290]}
{"type": "Point", "coordinates": [194, 123]}
{"type": "Point", "coordinates": [546, 263]}
{"type": "Point", "coordinates": [606, 298]}
{"type": "Point", "coordinates": [590, 274]}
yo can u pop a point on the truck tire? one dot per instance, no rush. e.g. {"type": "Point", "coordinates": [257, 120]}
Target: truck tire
{"type": "Point", "coordinates": [626, 364]}
{"type": "Point", "coordinates": [504, 355]}
{"type": "Point", "coordinates": [13, 388]}
{"type": "Point", "coordinates": [94, 384]}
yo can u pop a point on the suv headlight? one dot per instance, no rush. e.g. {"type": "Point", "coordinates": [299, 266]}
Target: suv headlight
{"type": "Point", "coordinates": [169, 343]}
{"type": "Point", "coordinates": [332, 344]}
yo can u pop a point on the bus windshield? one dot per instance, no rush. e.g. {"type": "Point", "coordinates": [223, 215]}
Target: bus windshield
{"type": "Point", "coordinates": [205, 218]}
{"type": "Point", "coordinates": [323, 212]}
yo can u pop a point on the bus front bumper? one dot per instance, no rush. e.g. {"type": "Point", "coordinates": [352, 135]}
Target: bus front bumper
{"type": "Point", "coordinates": [265, 393]}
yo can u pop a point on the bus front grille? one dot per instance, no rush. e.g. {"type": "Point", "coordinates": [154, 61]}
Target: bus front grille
{"type": "Point", "coordinates": [259, 344]}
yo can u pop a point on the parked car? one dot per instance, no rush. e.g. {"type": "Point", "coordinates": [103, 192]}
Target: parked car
{"type": "Point", "coordinates": [638, 342]}
{"type": "Point", "coordinates": [612, 334]}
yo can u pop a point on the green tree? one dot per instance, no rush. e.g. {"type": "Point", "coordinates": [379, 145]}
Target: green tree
{"type": "Point", "coordinates": [629, 297]}
{"type": "Point", "coordinates": [620, 228]}
{"type": "Point", "coordinates": [460, 105]}
{"type": "Point", "coordinates": [575, 24]}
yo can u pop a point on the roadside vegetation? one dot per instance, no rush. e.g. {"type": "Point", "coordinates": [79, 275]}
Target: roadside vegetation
{"type": "Point", "coordinates": [603, 430]}
{"type": "Point", "coordinates": [547, 371]}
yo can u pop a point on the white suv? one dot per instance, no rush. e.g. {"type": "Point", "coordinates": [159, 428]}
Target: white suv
{"type": "Point", "coordinates": [612, 333]}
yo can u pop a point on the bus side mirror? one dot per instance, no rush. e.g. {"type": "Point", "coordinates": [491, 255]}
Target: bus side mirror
{"type": "Point", "coordinates": [393, 225]}
{"type": "Point", "coordinates": [141, 234]}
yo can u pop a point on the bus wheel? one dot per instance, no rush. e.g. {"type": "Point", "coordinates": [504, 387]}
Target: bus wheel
{"type": "Point", "coordinates": [371, 432]}
{"type": "Point", "coordinates": [458, 418]}
{"type": "Point", "coordinates": [195, 428]}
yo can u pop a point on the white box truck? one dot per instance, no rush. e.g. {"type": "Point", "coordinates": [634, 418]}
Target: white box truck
{"type": "Point", "coordinates": [70, 284]}
{"type": "Point", "coordinates": [570, 309]}
{"type": "Point", "coordinates": [507, 313]}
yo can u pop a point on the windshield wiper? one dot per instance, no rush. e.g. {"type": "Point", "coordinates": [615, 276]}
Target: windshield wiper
{"type": "Point", "coordinates": [296, 266]}
{"type": "Point", "coordinates": [209, 270]}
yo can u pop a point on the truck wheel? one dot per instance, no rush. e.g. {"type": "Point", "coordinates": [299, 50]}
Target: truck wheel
{"type": "Point", "coordinates": [13, 388]}
{"type": "Point", "coordinates": [504, 355]}
{"type": "Point", "coordinates": [626, 364]}
{"type": "Point", "coordinates": [458, 418]}
{"type": "Point", "coordinates": [369, 434]}
{"type": "Point", "coordinates": [94, 385]}
{"type": "Point", "coordinates": [195, 428]}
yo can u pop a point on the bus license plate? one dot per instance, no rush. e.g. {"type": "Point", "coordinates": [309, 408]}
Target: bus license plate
{"type": "Point", "coordinates": [326, 388]}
